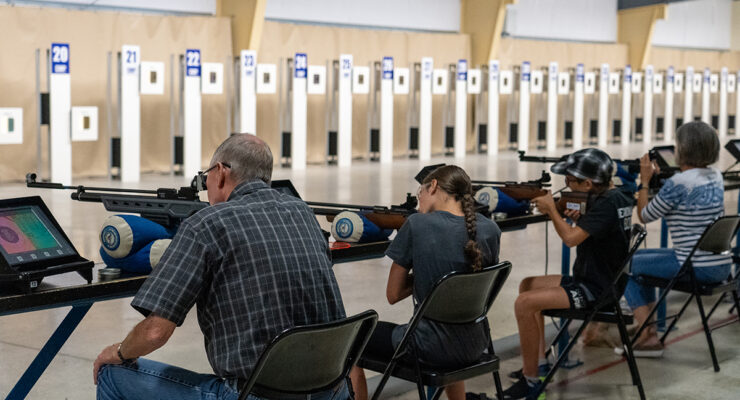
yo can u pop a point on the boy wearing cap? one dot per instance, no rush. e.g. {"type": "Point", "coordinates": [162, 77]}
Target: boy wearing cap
{"type": "Point", "coordinates": [602, 237]}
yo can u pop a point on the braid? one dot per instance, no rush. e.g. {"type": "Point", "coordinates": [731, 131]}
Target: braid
{"type": "Point", "coordinates": [472, 252]}
{"type": "Point", "coordinates": [454, 181]}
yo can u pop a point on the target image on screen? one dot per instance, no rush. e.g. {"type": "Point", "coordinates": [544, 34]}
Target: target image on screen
{"type": "Point", "coordinates": [26, 235]}
{"type": "Point", "coordinates": [21, 230]}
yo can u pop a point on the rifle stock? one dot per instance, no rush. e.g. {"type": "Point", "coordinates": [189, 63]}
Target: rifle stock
{"type": "Point", "coordinates": [572, 201]}
{"type": "Point", "coordinates": [522, 192]}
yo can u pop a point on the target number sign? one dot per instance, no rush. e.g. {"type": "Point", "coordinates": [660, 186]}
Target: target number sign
{"type": "Point", "coordinates": [60, 58]}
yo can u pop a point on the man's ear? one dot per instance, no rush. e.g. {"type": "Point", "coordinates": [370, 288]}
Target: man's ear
{"type": "Point", "coordinates": [222, 176]}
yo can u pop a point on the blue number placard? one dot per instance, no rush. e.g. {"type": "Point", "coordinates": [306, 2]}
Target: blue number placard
{"type": "Point", "coordinates": [426, 69]}
{"type": "Point", "coordinates": [494, 72]}
{"type": "Point", "coordinates": [526, 71]}
{"type": "Point", "coordinates": [192, 62]}
{"type": "Point", "coordinates": [301, 65]}
{"type": "Point", "coordinates": [670, 75]}
{"type": "Point", "coordinates": [579, 73]}
{"type": "Point", "coordinates": [248, 64]}
{"type": "Point", "coordinates": [462, 70]}
{"type": "Point", "coordinates": [628, 74]}
{"type": "Point", "coordinates": [60, 58]}
{"type": "Point", "coordinates": [387, 67]}
{"type": "Point", "coordinates": [130, 56]}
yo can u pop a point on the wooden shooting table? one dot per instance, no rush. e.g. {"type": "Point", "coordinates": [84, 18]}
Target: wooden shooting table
{"type": "Point", "coordinates": [64, 291]}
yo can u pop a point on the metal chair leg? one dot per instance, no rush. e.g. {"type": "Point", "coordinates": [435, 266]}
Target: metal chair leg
{"type": "Point", "coordinates": [563, 329]}
{"type": "Point", "coordinates": [708, 332]}
{"type": "Point", "coordinates": [384, 379]}
{"type": "Point", "coordinates": [736, 297]}
{"type": "Point", "coordinates": [661, 298]}
{"type": "Point", "coordinates": [496, 376]}
{"type": "Point", "coordinates": [497, 382]}
{"type": "Point", "coordinates": [438, 393]}
{"type": "Point", "coordinates": [675, 318]}
{"type": "Point", "coordinates": [716, 304]}
{"type": "Point", "coordinates": [631, 361]}
{"type": "Point", "coordinates": [562, 356]}
{"type": "Point", "coordinates": [419, 385]}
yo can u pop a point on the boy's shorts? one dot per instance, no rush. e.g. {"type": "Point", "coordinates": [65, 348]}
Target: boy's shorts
{"type": "Point", "coordinates": [578, 295]}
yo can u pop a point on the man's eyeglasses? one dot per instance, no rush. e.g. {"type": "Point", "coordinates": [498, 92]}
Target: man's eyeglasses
{"type": "Point", "coordinates": [569, 179]}
{"type": "Point", "coordinates": [200, 180]}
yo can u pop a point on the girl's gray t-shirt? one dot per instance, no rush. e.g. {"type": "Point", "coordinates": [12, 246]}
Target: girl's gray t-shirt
{"type": "Point", "coordinates": [432, 245]}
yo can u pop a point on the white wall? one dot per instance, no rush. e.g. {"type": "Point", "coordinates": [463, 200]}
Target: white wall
{"type": "Point", "coordinates": [699, 24]}
{"type": "Point", "coordinates": [426, 15]}
{"type": "Point", "coordinates": [207, 7]}
{"type": "Point", "coordinates": [576, 20]}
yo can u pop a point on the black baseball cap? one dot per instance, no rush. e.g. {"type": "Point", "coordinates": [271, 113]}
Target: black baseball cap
{"type": "Point", "coordinates": [589, 163]}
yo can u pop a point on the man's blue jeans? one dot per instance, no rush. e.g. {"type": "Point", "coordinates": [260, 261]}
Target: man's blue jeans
{"type": "Point", "coordinates": [150, 380]}
{"type": "Point", "coordinates": [662, 263]}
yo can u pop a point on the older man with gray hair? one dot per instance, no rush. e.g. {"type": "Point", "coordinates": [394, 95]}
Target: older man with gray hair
{"type": "Point", "coordinates": [255, 263]}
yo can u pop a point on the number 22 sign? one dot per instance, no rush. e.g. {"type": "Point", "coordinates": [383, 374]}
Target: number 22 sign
{"type": "Point", "coordinates": [192, 62]}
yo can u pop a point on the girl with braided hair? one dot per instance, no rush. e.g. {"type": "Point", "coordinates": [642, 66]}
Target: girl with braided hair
{"type": "Point", "coordinates": [445, 235]}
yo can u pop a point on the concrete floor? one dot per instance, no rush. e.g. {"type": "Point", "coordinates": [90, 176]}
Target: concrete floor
{"type": "Point", "coordinates": [684, 372]}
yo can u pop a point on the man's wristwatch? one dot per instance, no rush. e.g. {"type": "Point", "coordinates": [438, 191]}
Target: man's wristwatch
{"type": "Point", "coordinates": [120, 356]}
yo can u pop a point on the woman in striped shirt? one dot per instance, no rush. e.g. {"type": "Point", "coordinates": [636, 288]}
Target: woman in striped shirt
{"type": "Point", "coordinates": [689, 201]}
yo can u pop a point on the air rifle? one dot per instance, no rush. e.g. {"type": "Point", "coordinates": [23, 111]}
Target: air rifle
{"type": "Point", "coordinates": [518, 190]}
{"type": "Point", "coordinates": [391, 217]}
{"type": "Point", "coordinates": [167, 207]}
{"type": "Point", "coordinates": [662, 155]}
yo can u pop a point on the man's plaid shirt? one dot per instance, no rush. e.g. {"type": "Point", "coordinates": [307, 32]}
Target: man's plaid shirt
{"type": "Point", "coordinates": [255, 265]}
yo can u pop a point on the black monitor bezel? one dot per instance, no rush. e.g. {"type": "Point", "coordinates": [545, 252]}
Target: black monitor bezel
{"type": "Point", "coordinates": [43, 263]}
{"type": "Point", "coordinates": [733, 146]}
{"type": "Point", "coordinates": [659, 158]}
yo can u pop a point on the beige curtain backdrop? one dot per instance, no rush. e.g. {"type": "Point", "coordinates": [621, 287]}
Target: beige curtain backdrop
{"type": "Point", "coordinates": [91, 35]}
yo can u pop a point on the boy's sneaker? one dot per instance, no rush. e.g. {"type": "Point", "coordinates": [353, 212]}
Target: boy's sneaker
{"type": "Point", "coordinates": [523, 389]}
{"type": "Point", "coordinates": [542, 371]}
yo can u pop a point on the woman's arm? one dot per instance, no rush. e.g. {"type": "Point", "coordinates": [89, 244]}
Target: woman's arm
{"type": "Point", "coordinates": [647, 169]}
{"type": "Point", "coordinates": [642, 202]}
{"type": "Point", "coordinates": [400, 284]}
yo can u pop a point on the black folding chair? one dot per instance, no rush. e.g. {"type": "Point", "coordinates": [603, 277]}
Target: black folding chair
{"type": "Point", "coordinates": [457, 298]}
{"type": "Point", "coordinates": [716, 239]}
{"type": "Point", "coordinates": [605, 309]}
{"type": "Point", "coordinates": [309, 359]}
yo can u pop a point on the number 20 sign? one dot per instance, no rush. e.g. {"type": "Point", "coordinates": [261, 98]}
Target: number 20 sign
{"type": "Point", "coordinates": [60, 58]}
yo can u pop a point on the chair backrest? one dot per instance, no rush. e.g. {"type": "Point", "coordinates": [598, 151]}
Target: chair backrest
{"type": "Point", "coordinates": [464, 297]}
{"type": "Point", "coordinates": [310, 359]}
{"type": "Point", "coordinates": [637, 236]}
{"type": "Point", "coordinates": [717, 238]}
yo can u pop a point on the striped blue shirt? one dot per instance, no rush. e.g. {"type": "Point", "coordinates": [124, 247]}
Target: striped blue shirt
{"type": "Point", "coordinates": [689, 201]}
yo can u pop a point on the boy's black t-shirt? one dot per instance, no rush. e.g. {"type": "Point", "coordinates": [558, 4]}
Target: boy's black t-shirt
{"type": "Point", "coordinates": [608, 222]}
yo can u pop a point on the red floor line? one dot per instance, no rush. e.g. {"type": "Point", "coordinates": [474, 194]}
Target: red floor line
{"type": "Point", "coordinates": [608, 365]}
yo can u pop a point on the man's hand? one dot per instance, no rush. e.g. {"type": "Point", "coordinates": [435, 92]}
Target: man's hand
{"type": "Point", "coordinates": [109, 355]}
{"type": "Point", "coordinates": [573, 215]}
{"type": "Point", "coordinates": [647, 169]}
{"type": "Point", "coordinates": [545, 204]}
